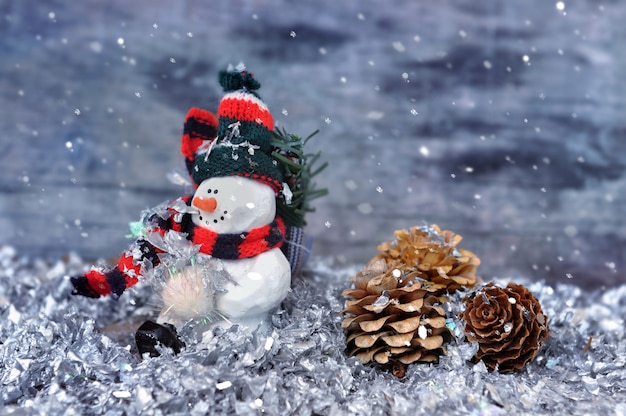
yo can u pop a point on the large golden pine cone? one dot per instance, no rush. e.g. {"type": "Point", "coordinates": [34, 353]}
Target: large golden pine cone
{"type": "Point", "coordinates": [393, 317]}
{"type": "Point", "coordinates": [433, 255]}
{"type": "Point", "coordinates": [508, 325]}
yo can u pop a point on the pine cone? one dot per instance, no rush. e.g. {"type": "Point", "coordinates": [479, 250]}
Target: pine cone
{"type": "Point", "coordinates": [394, 318]}
{"type": "Point", "coordinates": [432, 254]}
{"type": "Point", "coordinates": [508, 325]}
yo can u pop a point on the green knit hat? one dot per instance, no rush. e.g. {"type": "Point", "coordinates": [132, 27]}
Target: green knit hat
{"type": "Point", "coordinates": [244, 134]}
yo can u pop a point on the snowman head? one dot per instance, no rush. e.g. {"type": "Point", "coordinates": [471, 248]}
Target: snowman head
{"type": "Point", "coordinates": [233, 204]}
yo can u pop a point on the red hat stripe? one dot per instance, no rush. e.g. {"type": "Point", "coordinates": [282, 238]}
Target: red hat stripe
{"type": "Point", "coordinates": [246, 107]}
{"type": "Point", "coordinates": [190, 146]}
{"type": "Point", "coordinates": [200, 125]}
{"type": "Point", "coordinates": [202, 117]}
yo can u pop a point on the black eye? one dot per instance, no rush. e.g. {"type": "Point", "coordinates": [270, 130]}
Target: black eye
{"type": "Point", "coordinates": [215, 191]}
{"type": "Point", "coordinates": [208, 191]}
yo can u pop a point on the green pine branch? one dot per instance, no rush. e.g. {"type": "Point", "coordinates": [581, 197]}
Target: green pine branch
{"type": "Point", "coordinates": [300, 169]}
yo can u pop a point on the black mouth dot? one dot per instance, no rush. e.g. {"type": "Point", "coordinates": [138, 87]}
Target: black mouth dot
{"type": "Point", "coordinates": [222, 218]}
{"type": "Point", "coordinates": [200, 216]}
{"type": "Point", "coordinates": [215, 221]}
{"type": "Point", "coordinates": [225, 212]}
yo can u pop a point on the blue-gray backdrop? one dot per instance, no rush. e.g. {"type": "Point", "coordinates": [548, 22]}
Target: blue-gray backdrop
{"type": "Point", "coordinates": [502, 121]}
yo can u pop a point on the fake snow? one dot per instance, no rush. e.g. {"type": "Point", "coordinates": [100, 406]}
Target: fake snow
{"type": "Point", "coordinates": [61, 354]}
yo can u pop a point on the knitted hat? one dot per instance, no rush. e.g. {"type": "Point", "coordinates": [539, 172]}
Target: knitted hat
{"type": "Point", "coordinates": [200, 127]}
{"type": "Point", "coordinates": [242, 145]}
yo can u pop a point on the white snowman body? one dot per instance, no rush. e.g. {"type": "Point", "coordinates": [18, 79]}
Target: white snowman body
{"type": "Point", "coordinates": [230, 205]}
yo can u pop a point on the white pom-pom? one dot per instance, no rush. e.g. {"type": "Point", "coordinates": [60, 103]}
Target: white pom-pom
{"type": "Point", "coordinates": [187, 295]}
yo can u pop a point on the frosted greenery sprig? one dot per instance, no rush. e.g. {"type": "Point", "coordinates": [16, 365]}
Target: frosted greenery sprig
{"type": "Point", "coordinates": [300, 168]}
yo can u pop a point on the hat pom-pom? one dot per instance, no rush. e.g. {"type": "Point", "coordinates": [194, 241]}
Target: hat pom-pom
{"type": "Point", "coordinates": [237, 80]}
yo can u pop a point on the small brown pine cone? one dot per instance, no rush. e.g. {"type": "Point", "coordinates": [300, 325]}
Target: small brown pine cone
{"type": "Point", "coordinates": [508, 325]}
{"type": "Point", "coordinates": [433, 255]}
{"type": "Point", "coordinates": [394, 319]}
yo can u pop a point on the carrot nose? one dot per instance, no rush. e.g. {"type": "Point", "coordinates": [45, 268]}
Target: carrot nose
{"type": "Point", "coordinates": [205, 204]}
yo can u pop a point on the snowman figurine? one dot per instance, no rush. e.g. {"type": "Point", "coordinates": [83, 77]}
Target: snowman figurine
{"type": "Point", "coordinates": [243, 252]}
{"type": "Point", "coordinates": [232, 206]}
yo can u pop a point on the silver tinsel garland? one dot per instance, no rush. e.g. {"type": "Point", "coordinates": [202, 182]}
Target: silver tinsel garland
{"type": "Point", "coordinates": [66, 355]}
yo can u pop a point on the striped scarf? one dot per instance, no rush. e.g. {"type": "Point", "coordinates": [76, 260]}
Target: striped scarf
{"type": "Point", "coordinates": [231, 246]}
{"type": "Point", "coordinates": [96, 283]}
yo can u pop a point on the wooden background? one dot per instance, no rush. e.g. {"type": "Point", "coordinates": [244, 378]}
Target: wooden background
{"type": "Point", "coordinates": [502, 121]}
